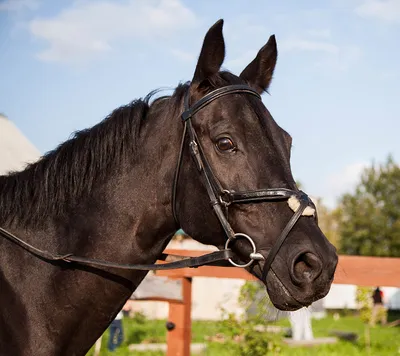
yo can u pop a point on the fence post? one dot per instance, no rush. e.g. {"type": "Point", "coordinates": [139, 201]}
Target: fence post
{"type": "Point", "coordinates": [179, 338]}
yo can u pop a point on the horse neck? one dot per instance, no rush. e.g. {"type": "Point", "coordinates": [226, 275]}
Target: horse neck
{"type": "Point", "coordinates": [126, 219]}
{"type": "Point", "coordinates": [134, 200]}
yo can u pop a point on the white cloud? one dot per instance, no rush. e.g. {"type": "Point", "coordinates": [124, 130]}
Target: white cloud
{"type": "Point", "coordinates": [384, 10]}
{"type": "Point", "coordinates": [342, 182]}
{"type": "Point", "coordinates": [239, 63]}
{"type": "Point", "coordinates": [389, 74]}
{"type": "Point", "coordinates": [335, 57]}
{"type": "Point", "coordinates": [244, 28]}
{"type": "Point", "coordinates": [184, 56]}
{"type": "Point", "coordinates": [293, 44]}
{"type": "Point", "coordinates": [324, 33]}
{"type": "Point", "coordinates": [313, 39]}
{"type": "Point", "coordinates": [17, 5]}
{"type": "Point", "coordinates": [338, 58]}
{"type": "Point", "coordinates": [88, 28]}
{"type": "Point", "coordinates": [244, 31]}
{"type": "Point", "coordinates": [342, 60]}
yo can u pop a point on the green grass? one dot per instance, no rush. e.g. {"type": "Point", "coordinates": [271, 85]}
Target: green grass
{"type": "Point", "coordinates": [385, 341]}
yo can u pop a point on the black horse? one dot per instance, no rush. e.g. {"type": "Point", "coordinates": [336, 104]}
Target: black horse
{"type": "Point", "coordinates": [115, 192]}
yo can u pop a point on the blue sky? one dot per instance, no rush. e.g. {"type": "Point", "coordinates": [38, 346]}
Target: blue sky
{"type": "Point", "coordinates": [64, 65]}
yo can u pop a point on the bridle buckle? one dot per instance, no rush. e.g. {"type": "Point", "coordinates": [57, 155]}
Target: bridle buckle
{"type": "Point", "coordinates": [257, 256]}
{"type": "Point", "coordinates": [225, 197]}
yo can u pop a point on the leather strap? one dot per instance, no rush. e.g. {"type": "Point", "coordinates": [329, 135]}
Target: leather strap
{"type": "Point", "coordinates": [209, 259]}
{"type": "Point", "coordinates": [176, 177]}
{"type": "Point", "coordinates": [215, 258]}
{"type": "Point", "coordinates": [281, 239]}
{"type": "Point", "coordinates": [258, 195]}
{"type": "Point", "coordinates": [215, 94]}
{"type": "Point", "coordinates": [194, 144]}
{"type": "Point", "coordinates": [209, 181]}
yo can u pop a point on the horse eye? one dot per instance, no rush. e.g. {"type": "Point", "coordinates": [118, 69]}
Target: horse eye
{"type": "Point", "coordinates": [225, 144]}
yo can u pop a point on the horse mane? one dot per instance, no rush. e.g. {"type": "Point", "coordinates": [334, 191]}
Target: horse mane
{"type": "Point", "coordinates": [61, 177]}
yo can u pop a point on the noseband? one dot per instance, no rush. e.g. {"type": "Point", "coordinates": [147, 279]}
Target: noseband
{"type": "Point", "coordinates": [220, 199]}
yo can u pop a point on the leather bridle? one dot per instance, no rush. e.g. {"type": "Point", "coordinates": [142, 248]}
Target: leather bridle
{"type": "Point", "coordinates": [220, 199]}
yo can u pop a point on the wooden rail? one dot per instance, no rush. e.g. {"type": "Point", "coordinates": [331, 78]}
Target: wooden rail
{"type": "Point", "coordinates": [357, 270]}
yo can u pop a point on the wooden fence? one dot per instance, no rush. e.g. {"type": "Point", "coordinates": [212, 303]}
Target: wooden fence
{"type": "Point", "coordinates": [357, 270]}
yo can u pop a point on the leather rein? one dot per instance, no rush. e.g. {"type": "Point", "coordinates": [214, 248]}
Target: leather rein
{"type": "Point", "coordinates": [220, 199]}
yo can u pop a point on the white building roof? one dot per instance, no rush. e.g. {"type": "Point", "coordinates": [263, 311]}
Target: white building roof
{"type": "Point", "coordinates": [15, 149]}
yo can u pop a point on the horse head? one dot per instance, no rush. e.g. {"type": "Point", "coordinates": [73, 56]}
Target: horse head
{"type": "Point", "coordinates": [235, 183]}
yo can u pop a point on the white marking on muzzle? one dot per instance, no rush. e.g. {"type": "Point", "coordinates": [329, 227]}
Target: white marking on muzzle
{"type": "Point", "coordinates": [294, 204]}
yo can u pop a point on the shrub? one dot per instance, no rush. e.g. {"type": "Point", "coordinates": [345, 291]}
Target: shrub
{"type": "Point", "coordinates": [246, 334]}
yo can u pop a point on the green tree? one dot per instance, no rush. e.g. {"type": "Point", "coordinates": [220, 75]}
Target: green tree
{"type": "Point", "coordinates": [328, 221]}
{"type": "Point", "coordinates": [369, 219]}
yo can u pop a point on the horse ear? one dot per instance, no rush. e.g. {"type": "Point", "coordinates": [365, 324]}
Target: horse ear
{"type": "Point", "coordinates": [212, 53]}
{"type": "Point", "coordinates": [258, 74]}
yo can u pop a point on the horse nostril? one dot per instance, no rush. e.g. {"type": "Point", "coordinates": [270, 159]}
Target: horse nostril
{"type": "Point", "coordinates": [307, 267]}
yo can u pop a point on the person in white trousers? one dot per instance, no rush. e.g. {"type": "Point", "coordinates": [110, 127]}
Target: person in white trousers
{"type": "Point", "coordinates": [300, 321]}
